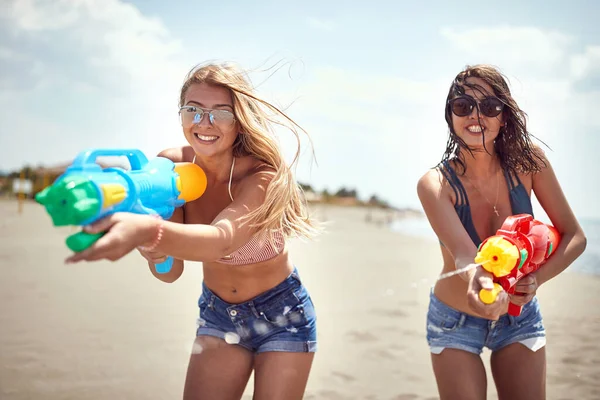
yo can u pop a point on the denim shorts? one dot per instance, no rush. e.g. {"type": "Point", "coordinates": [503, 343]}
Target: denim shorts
{"type": "Point", "coordinates": [280, 319]}
{"type": "Point", "coordinates": [450, 328]}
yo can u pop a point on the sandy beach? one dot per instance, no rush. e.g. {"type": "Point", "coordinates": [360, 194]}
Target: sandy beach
{"type": "Point", "coordinates": [112, 331]}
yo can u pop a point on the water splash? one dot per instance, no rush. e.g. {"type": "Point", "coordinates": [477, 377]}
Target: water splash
{"type": "Point", "coordinates": [261, 327]}
{"type": "Point", "coordinates": [281, 321]}
{"type": "Point", "coordinates": [243, 331]}
{"type": "Point", "coordinates": [196, 348]}
{"type": "Point", "coordinates": [295, 318]}
{"type": "Point", "coordinates": [232, 338]}
{"type": "Point", "coordinates": [458, 271]}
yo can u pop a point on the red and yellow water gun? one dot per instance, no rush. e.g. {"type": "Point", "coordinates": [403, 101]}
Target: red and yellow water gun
{"type": "Point", "coordinates": [521, 246]}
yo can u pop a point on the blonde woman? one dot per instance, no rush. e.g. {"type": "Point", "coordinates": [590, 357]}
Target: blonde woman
{"type": "Point", "coordinates": [255, 313]}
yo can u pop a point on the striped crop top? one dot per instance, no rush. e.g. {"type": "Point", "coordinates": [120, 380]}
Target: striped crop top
{"type": "Point", "coordinates": [520, 201]}
{"type": "Point", "coordinates": [259, 248]}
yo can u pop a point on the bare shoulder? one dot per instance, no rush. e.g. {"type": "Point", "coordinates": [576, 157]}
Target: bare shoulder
{"type": "Point", "coordinates": [177, 154]}
{"type": "Point", "coordinates": [541, 155]}
{"type": "Point", "coordinates": [257, 173]}
{"type": "Point", "coordinates": [543, 164]}
{"type": "Point", "coordinates": [252, 178]}
{"type": "Point", "coordinates": [431, 182]}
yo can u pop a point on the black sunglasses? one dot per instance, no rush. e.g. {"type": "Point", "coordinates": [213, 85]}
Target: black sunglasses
{"type": "Point", "coordinates": [463, 105]}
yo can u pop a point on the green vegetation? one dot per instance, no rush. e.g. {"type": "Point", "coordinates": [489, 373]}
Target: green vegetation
{"type": "Point", "coordinates": [343, 196]}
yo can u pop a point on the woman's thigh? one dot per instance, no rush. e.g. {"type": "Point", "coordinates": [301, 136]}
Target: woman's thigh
{"type": "Point", "coordinates": [217, 370]}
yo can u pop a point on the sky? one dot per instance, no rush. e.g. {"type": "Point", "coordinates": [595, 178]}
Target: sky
{"type": "Point", "coordinates": [367, 81]}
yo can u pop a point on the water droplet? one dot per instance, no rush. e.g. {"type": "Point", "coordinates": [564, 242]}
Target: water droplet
{"type": "Point", "coordinates": [281, 320]}
{"type": "Point", "coordinates": [295, 318]}
{"type": "Point", "coordinates": [261, 327]}
{"type": "Point", "coordinates": [196, 348]}
{"type": "Point", "coordinates": [232, 338]}
{"type": "Point", "coordinates": [243, 331]}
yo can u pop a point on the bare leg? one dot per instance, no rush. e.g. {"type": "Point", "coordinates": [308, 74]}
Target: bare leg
{"type": "Point", "coordinates": [218, 370]}
{"type": "Point", "coordinates": [459, 375]}
{"type": "Point", "coordinates": [519, 373]}
{"type": "Point", "coordinates": [281, 375]}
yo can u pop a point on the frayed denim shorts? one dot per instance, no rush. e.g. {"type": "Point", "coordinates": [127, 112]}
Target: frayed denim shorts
{"type": "Point", "coordinates": [280, 319]}
{"type": "Point", "coordinates": [448, 328]}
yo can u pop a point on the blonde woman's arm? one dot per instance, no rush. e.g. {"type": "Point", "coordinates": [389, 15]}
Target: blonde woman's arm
{"type": "Point", "coordinates": [194, 242]}
{"type": "Point", "coordinates": [229, 230]}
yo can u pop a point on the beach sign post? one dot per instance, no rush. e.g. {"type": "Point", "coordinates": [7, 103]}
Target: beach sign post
{"type": "Point", "coordinates": [22, 187]}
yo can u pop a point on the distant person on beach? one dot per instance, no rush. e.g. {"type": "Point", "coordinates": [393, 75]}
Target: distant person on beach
{"type": "Point", "coordinates": [254, 311]}
{"type": "Point", "coordinates": [488, 172]}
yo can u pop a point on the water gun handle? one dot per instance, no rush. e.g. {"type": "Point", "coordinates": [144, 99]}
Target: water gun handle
{"type": "Point", "coordinates": [514, 309]}
{"type": "Point", "coordinates": [489, 296]}
{"type": "Point", "coordinates": [164, 266]}
{"type": "Point", "coordinates": [82, 240]}
{"type": "Point", "coordinates": [136, 158]}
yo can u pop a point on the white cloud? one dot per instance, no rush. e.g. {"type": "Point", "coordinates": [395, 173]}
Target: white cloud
{"type": "Point", "coordinates": [32, 15]}
{"type": "Point", "coordinates": [113, 75]}
{"type": "Point", "coordinates": [534, 52]}
{"type": "Point", "coordinates": [107, 34]}
{"type": "Point", "coordinates": [321, 24]}
{"type": "Point", "coordinates": [586, 64]}
{"type": "Point", "coordinates": [537, 50]}
{"type": "Point", "coordinates": [6, 53]}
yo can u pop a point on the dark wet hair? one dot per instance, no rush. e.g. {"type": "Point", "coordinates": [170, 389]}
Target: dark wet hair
{"type": "Point", "coordinates": [513, 143]}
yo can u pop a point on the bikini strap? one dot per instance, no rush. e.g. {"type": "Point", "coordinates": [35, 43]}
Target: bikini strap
{"type": "Point", "coordinates": [230, 175]}
{"type": "Point", "coordinates": [517, 178]}
{"type": "Point", "coordinates": [512, 178]}
{"type": "Point", "coordinates": [455, 184]}
{"type": "Point", "coordinates": [230, 178]}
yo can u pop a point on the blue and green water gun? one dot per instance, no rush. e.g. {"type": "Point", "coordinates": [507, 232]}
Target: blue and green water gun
{"type": "Point", "coordinates": [85, 192]}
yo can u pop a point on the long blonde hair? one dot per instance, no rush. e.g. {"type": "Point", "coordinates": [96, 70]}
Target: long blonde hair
{"type": "Point", "coordinates": [284, 207]}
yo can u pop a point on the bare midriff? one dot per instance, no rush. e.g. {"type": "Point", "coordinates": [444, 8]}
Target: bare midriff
{"type": "Point", "coordinates": [239, 283]}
